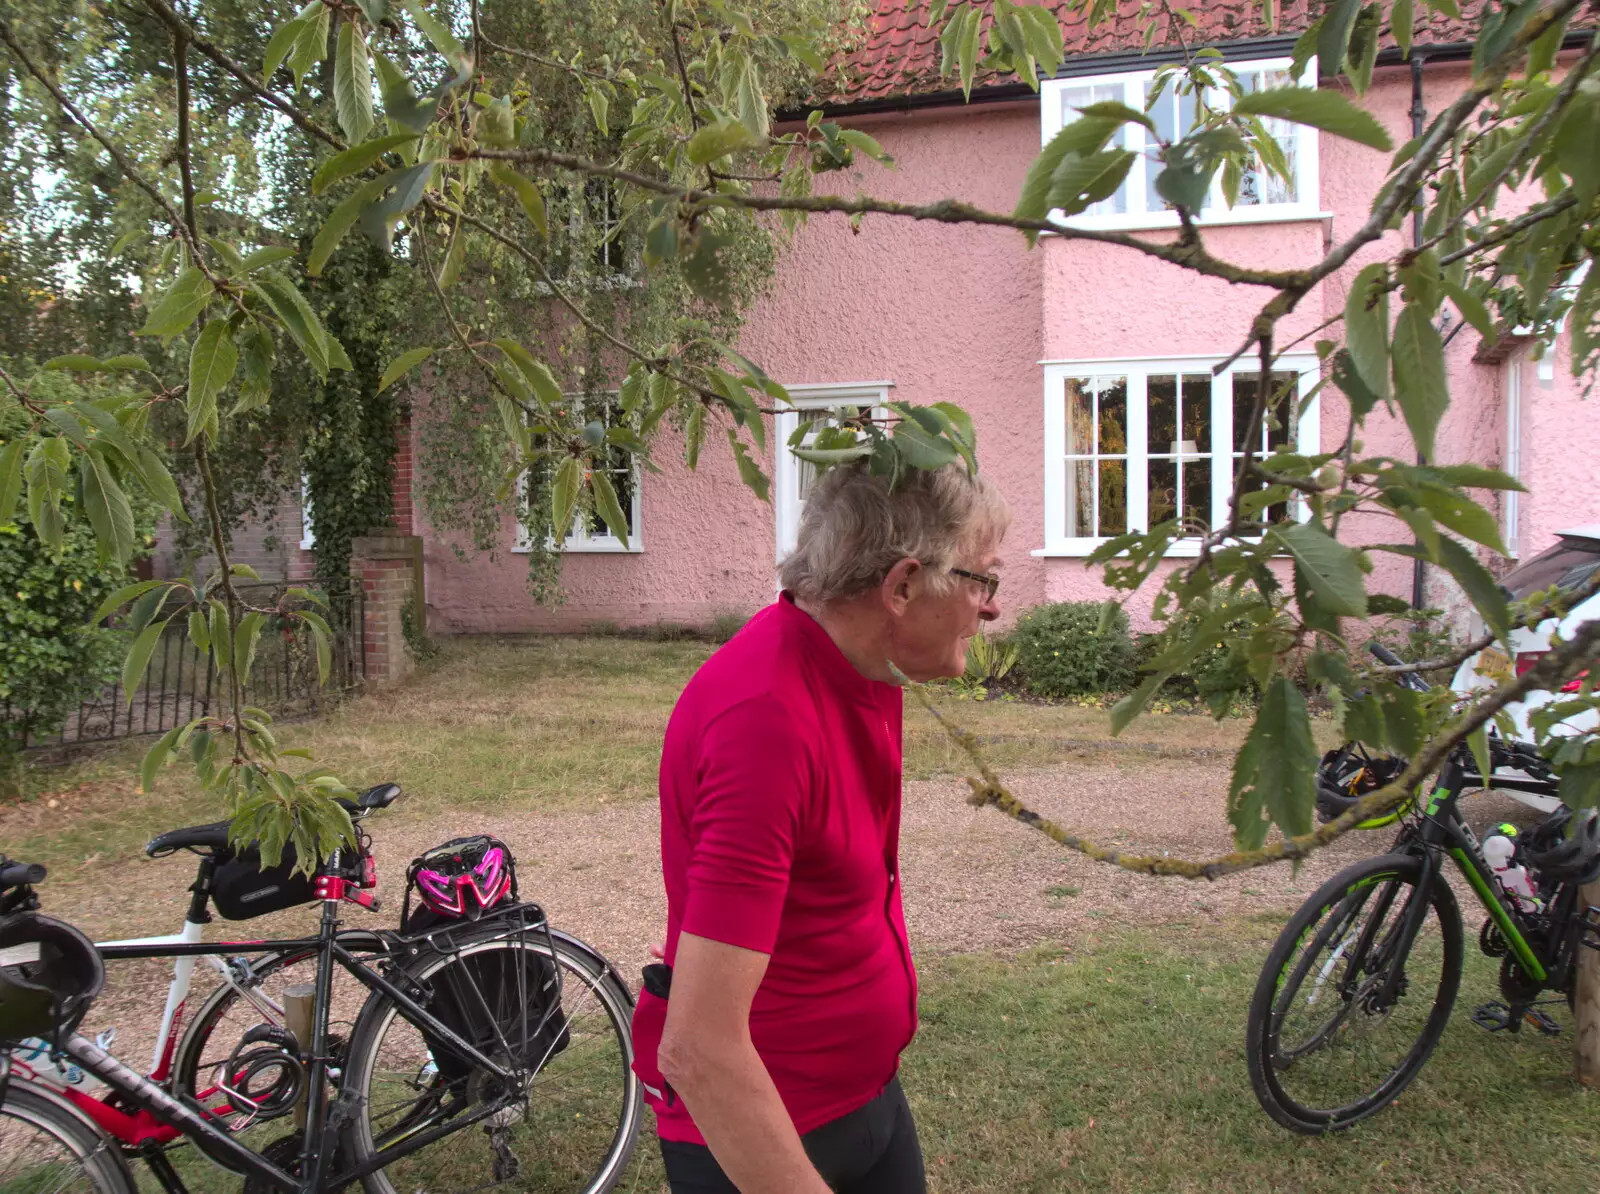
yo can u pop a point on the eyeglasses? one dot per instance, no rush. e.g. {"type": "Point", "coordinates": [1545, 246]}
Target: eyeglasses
{"type": "Point", "coordinates": [989, 581]}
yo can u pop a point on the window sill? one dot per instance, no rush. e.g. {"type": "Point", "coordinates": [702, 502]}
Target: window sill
{"type": "Point", "coordinates": [1078, 548]}
{"type": "Point", "coordinates": [1159, 221]}
{"type": "Point", "coordinates": [600, 547]}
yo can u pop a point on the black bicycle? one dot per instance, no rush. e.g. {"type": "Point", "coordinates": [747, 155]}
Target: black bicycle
{"type": "Point", "coordinates": [1357, 990]}
{"type": "Point", "coordinates": [503, 1036]}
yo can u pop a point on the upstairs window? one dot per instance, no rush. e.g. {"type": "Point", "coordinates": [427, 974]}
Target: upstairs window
{"type": "Point", "coordinates": [1132, 444]}
{"type": "Point", "coordinates": [1174, 110]}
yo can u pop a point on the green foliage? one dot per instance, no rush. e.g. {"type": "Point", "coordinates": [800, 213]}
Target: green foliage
{"type": "Point", "coordinates": [1218, 677]}
{"type": "Point", "coordinates": [1063, 650]}
{"type": "Point", "coordinates": [990, 660]}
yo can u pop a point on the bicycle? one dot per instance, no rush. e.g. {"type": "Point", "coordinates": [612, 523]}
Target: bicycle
{"type": "Point", "coordinates": [450, 1035]}
{"type": "Point", "coordinates": [1357, 989]}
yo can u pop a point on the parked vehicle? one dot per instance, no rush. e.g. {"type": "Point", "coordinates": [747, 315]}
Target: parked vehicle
{"type": "Point", "coordinates": [1568, 564]}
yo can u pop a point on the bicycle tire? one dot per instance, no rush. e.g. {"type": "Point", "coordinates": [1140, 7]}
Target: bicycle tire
{"type": "Point", "coordinates": [226, 1014]}
{"type": "Point", "coordinates": [1346, 933]}
{"type": "Point", "coordinates": [582, 1147]}
{"type": "Point", "coordinates": [78, 1143]}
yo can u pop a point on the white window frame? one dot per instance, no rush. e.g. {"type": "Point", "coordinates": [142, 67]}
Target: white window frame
{"type": "Point", "coordinates": [787, 505]}
{"type": "Point", "coordinates": [1053, 114]}
{"type": "Point", "coordinates": [580, 538]}
{"type": "Point", "coordinates": [308, 537]}
{"type": "Point", "coordinates": [1138, 370]}
{"type": "Point", "coordinates": [1511, 509]}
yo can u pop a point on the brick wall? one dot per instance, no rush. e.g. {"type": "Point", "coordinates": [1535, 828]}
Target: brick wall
{"type": "Point", "coordinates": [388, 569]}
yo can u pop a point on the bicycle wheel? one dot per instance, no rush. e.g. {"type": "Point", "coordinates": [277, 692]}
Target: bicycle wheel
{"type": "Point", "coordinates": [1326, 1047]}
{"type": "Point", "coordinates": [47, 1147]}
{"type": "Point", "coordinates": [247, 999]}
{"type": "Point", "coordinates": [569, 1121]}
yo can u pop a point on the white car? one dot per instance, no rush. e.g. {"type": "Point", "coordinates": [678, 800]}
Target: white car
{"type": "Point", "coordinates": [1568, 564]}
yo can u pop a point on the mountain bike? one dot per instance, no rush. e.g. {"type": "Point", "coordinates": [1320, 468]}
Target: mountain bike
{"type": "Point", "coordinates": [1357, 989]}
{"type": "Point", "coordinates": [503, 1025]}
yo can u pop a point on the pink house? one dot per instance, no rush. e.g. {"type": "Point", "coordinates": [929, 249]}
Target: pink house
{"type": "Point", "coordinates": [1044, 345]}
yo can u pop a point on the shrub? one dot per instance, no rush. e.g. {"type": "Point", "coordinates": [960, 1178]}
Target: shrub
{"type": "Point", "coordinates": [989, 659]}
{"type": "Point", "coordinates": [51, 658]}
{"type": "Point", "coordinates": [725, 625]}
{"type": "Point", "coordinates": [1062, 651]}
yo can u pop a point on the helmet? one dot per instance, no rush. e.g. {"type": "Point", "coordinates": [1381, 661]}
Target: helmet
{"type": "Point", "coordinates": [465, 876]}
{"type": "Point", "coordinates": [49, 974]}
{"type": "Point", "coordinates": [1565, 848]}
{"type": "Point", "coordinates": [1348, 773]}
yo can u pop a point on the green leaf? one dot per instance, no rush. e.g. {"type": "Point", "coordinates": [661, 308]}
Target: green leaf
{"type": "Point", "coordinates": [156, 758]}
{"type": "Point", "coordinates": [138, 658]}
{"type": "Point", "coordinates": [200, 631]}
{"type": "Point", "coordinates": [1084, 179]}
{"type": "Point", "coordinates": [1363, 56]}
{"type": "Point", "coordinates": [46, 473]}
{"type": "Point", "coordinates": [410, 185]}
{"type": "Point", "coordinates": [352, 83]}
{"type": "Point", "coordinates": [354, 161]}
{"type": "Point", "coordinates": [866, 144]}
{"type": "Point", "coordinates": [212, 361]}
{"type": "Point", "coordinates": [1327, 567]}
{"type": "Point", "coordinates": [1328, 111]}
{"type": "Point", "coordinates": [297, 317]}
{"type": "Point", "coordinates": [831, 456]}
{"type": "Point", "coordinates": [1333, 41]}
{"type": "Point", "coordinates": [606, 504]}
{"type": "Point", "coordinates": [1471, 307]}
{"type": "Point", "coordinates": [694, 432]}
{"type": "Point", "coordinates": [245, 636]}
{"type": "Point", "coordinates": [1085, 136]}
{"type": "Point", "coordinates": [1402, 19]}
{"type": "Point", "coordinates": [125, 363]}
{"type": "Point", "coordinates": [1366, 329]}
{"type": "Point", "coordinates": [599, 106]}
{"type": "Point", "coordinates": [967, 49]}
{"type": "Point", "coordinates": [78, 362]}
{"type": "Point", "coordinates": [528, 195]}
{"type": "Point", "coordinates": [322, 637]}
{"type": "Point", "coordinates": [311, 44]}
{"type": "Point", "coordinates": [1542, 53]}
{"type": "Point", "coordinates": [10, 478]}
{"type": "Point", "coordinates": [221, 639]}
{"type": "Point", "coordinates": [1274, 774]}
{"type": "Point", "coordinates": [749, 471]}
{"type": "Point", "coordinates": [919, 448]}
{"type": "Point", "coordinates": [434, 30]}
{"type": "Point", "coordinates": [1475, 476]}
{"type": "Point", "coordinates": [564, 497]}
{"type": "Point", "coordinates": [717, 140]}
{"type": "Point", "coordinates": [1121, 113]}
{"type": "Point", "coordinates": [122, 596]}
{"type": "Point", "coordinates": [535, 372]}
{"type": "Point", "coordinates": [342, 217]}
{"type": "Point", "coordinates": [1419, 379]}
{"type": "Point", "coordinates": [107, 506]}
{"type": "Point", "coordinates": [1130, 706]}
{"type": "Point", "coordinates": [1480, 587]}
{"type": "Point", "coordinates": [180, 305]}
{"type": "Point", "coordinates": [1454, 510]}
{"type": "Point", "coordinates": [401, 365]}
{"type": "Point", "coordinates": [278, 48]}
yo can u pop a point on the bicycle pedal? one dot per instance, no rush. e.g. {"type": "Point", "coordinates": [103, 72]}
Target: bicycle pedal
{"type": "Point", "coordinates": [1542, 1022]}
{"type": "Point", "coordinates": [1495, 1016]}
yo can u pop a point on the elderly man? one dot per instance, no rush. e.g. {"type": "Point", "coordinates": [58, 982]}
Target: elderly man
{"type": "Point", "coordinates": [770, 1039]}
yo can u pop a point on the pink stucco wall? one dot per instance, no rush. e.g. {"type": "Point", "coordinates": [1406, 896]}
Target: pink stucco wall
{"type": "Point", "coordinates": [966, 314]}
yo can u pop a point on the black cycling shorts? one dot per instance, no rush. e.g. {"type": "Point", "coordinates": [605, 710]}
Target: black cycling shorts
{"type": "Point", "coordinates": [872, 1150]}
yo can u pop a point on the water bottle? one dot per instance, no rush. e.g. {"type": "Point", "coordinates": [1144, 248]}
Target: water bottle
{"type": "Point", "coordinates": [1499, 849]}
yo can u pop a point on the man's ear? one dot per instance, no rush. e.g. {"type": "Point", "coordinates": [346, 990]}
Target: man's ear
{"type": "Point", "coordinates": [900, 586]}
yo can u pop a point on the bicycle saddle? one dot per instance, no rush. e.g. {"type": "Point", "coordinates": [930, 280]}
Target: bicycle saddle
{"type": "Point", "coordinates": [214, 837]}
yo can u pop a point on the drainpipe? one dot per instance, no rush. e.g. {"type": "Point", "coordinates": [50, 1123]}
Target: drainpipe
{"type": "Point", "coordinates": [1419, 114]}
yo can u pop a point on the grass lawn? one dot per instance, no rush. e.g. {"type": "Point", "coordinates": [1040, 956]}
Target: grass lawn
{"type": "Point", "coordinates": [547, 723]}
{"type": "Point", "coordinates": [1111, 1063]}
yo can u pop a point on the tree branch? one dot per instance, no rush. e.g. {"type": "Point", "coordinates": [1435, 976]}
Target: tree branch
{"type": "Point", "coordinates": [180, 67]}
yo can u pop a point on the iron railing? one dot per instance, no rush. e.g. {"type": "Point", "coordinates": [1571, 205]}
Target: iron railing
{"type": "Point", "coordinates": [182, 683]}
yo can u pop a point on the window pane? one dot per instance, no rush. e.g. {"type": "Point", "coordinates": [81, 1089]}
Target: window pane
{"type": "Point", "coordinates": [1162, 394]}
{"type": "Point", "coordinates": [805, 471]}
{"type": "Point", "coordinates": [1174, 116]}
{"type": "Point", "coordinates": [1113, 497]}
{"type": "Point", "coordinates": [1196, 493]}
{"type": "Point", "coordinates": [1080, 499]}
{"type": "Point", "coordinates": [1163, 490]}
{"type": "Point", "coordinates": [1259, 185]}
{"type": "Point", "coordinates": [1113, 416]}
{"type": "Point", "coordinates": [1282, 397]}
{"type": "Point", "coordinates": [1196, 420]}
{"type": "Point", "coordinates": [1080, 416]}
{"type": "Point", "coordinates": [1074, 98]}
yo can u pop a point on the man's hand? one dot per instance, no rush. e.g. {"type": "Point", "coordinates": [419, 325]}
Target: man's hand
{"type": "Point", "coordinates": [707, 1055]}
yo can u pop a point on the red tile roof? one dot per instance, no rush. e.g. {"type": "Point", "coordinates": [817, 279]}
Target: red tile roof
{"type": "Point", "coordinates": [899, 56]}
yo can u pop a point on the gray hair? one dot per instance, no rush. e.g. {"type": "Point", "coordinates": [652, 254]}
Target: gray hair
{"type": "Point", "coordinates": [856, 528]}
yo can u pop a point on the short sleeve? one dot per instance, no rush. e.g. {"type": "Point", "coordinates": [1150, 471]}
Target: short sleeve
{"type": "Point", "coordinates": [753, 775]}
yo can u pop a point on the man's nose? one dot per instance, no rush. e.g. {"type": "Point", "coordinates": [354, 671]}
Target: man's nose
{"type": "Point", "coordinates": [989, 610]}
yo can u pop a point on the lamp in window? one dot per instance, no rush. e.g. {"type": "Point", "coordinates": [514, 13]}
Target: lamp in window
{"type": "Point", "coordinates": [1184, 447]}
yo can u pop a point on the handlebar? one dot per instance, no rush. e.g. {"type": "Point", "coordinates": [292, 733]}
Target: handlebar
{"type": "Point", "coordinates": [1383, 654]}
{"type": "Point", "coordinates": [21, 874]}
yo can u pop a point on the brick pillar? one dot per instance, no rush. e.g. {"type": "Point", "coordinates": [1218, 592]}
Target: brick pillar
{"type": "Point", "coordinates": [387, 568]}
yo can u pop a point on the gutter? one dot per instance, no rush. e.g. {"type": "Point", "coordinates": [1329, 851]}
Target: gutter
{"type": "Point", "coordinates": [1121, 60]}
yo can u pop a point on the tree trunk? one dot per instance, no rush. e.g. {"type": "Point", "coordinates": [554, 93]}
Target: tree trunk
{"type": "Point", "coordinates": [1586, 1053]}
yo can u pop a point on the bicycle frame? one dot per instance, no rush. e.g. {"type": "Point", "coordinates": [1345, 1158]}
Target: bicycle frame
{"type": "Point", "coordinates": [157, 1106]}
